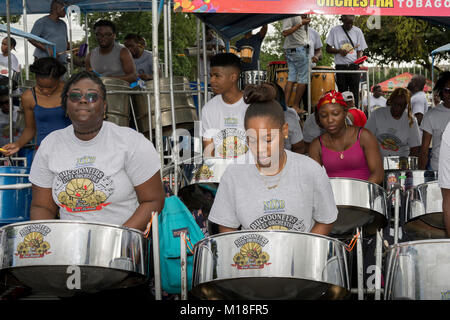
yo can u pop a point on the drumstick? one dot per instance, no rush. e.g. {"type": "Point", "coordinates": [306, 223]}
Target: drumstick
{"type": "Point", "coordinates": [3, 150]}
{"type": "Point", "coordinates": [67, 51]}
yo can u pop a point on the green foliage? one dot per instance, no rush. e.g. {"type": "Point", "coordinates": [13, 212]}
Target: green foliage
{"type": "Point", "coordinates": [13, 19]}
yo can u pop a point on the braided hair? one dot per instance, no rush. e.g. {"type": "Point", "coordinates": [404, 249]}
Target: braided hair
{"type": "Point", "coordinates": [405, 93]}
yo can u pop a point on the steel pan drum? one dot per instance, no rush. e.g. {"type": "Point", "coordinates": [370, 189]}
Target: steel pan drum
{"type": "Point", "coordinates": [424, 215]}
{"type": "Point", "coordinates": [360, 204]}
{"type": "Point", "coordinates": [400, 163]}
{"type": "Point", "coordinates": [254, 77]}
{"type": "Point", "coordinates": [270, 265]}
{"type": "Point", "coordinates": [41, 255]}
{"type": "Point", "coordinates": [418, 270]}
{"type": "Point", "coordinates": [118, 110]}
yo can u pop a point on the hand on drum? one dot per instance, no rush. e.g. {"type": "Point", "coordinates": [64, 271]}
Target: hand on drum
{"type": "Point", "coordinates": [9, 149]}
{"type": "Point", "coordinates": [314, 59]}
{"type": "Point", "coordinates": [342, 52]}
{"type": "Point", "coordinates": [145, 76]}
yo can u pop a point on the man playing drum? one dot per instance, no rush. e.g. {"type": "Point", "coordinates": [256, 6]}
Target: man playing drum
{"type": "Point", "coordinates": [143, 59]}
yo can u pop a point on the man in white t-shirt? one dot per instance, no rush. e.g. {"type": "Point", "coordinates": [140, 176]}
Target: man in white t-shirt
{"type": "Point", "coordinates": [419, 102]}
{"type": "Point", "coordinates": [375, 101]}
{"type": "Point", "coordinates": [223, 116]}
{"type": "Point", "coordinates": [347, 43]}
{"type": "Point", "coordinates": [4, 57]}
{"type": "Point", "coordinates": [444, 176]}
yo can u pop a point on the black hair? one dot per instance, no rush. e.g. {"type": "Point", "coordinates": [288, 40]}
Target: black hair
{"type": "Point", "coordinates": [280, 97]}
{"type": "Point", "coordinates": [77, 77]}
{"type": "Point", "coordinates": [375, 87]}
{"type": "Point", "coordinates": [48, 67]}
{"type": "Point", "coordinates": [262, 103]}
{"type": "Point", "coordinates": [13, 42]}
{"type": "Point", "coordinates": [105, 23]}
{"type": "Point", "coordinates": [226, 60]}
{"type": "Point", "coordinates": [132, 36]}
{"type": "Point", "coordinates": [440, 83]}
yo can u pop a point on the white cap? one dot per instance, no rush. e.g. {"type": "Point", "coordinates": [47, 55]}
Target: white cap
{"type": "Point", "coordinates": [348, 96]}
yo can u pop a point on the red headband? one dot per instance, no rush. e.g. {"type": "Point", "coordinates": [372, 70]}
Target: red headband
{"type": "Point", "coordinates": [332, 96]}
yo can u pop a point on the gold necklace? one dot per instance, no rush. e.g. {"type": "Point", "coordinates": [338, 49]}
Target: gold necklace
{"type": "Point", "coordinates": [279, 178]}
{"type": "Point", "coordinates": [341, 153]}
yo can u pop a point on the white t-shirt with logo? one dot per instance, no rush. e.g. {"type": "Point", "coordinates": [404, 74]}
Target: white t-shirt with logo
{"type": "Point", "coordinates": [303, 196]}
{"type": "Point", "coordinates": [395, 137]}
{"type": "Point", "coordinates": [419, 103]}
{"type": "Point", "coordinates": [374, 103]}
{"type": "Point", "coordinates": [434, 122]}
{"type": "Point", "coordinates": [94, 180]}
{"type": "Point", "coordinates": [224, 123]}
{"type": "Point", "coordinates": [339, 40]}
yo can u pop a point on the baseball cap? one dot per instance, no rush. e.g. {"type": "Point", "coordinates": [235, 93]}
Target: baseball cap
{"type": "Point", "coordinates": [348, 96]}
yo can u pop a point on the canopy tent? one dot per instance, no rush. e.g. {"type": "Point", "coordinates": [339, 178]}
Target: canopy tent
{"type": "Point", "coordinates": [401, 81]}
{"type": "Point", "coordinates": [26, 35]}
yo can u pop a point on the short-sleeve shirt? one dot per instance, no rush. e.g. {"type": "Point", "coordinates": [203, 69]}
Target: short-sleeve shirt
{"type": "Point", "coordinates": [94, 180]}
{"type": "Point", "coordinates": [255, 42]}
{"type": "Point", "coordinates": [315, 42]}
{"type": "Point", "coordinates": [303, 196]}
{"type": "Point", "coordinates": [53, 31]}
{"type": "Point", "coordinates": [395, 137]}
{"type": "Point", "coordinates": [298, 38]}
{"type": "Point", "coordinates": [339, 40]}
{"type": "Point", "coordinates": [434, 122]}
{"type": "Point", "coordinates": [144, 64]}
{"type": "Point", "coordinates": [4, 64]}
{"type": "Point", "coordinates": [374, 103]}
{"type": "Point", "coordinates": [224, 123]}
{"type": "Point", "coordinates": [295, 131]}
{"type": "Point", "coordinates": [444, 160]}
{"type": "Point", "coordinates": [311, 129]}
{"type": "Point", "coordinates": [419, 103]}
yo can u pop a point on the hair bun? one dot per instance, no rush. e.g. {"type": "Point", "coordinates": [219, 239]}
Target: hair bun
{"type": "Point", "coordinates": [259, 93]}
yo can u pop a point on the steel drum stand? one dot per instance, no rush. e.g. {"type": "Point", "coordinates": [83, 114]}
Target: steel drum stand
{"type": "Point", "coordinates": [157, 267]}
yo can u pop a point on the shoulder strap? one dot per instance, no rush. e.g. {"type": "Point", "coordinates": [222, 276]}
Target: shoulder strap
{"type": "Point", "coordinates": [34, 94]}
{"type": "Point", "coordinates": [359, 132]}
{"type": "Point", "coordinates": [353, 45]}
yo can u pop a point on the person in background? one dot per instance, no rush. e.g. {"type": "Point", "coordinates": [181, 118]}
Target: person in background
{"type": "Point", "coordinates": [110, 59]}
{"type": "Point", "coordinates": [355, 116]}
{"type": "Point", "coordinates": [444, 173]}
{"type": "Point", "coordinates": [311, 130]}
{"type": "Point", "coordinates": [296, 49]}
{"type": "Point", "coordinates": [42, 104]}
{"type": "Point", "coordinates": [254, 41]}
{"type": "Point", "coordinates": [143, 59]}
{"type": "Point", "coordinates": [375, 101]}
{"type": "Point", "coordinates": [395, 127]}
{"type": "Point", "coordinates": [347, 43]}
{"type": "Point", "coordinates": [292, 179]}
{"type": "Point", "coordinates": [53, 29]}
{"type": "Point", "coordinates": [213, 42]}
{"type": "Point", "coordinates": [345, 151]}
{"type": "Point", "coordinates": [434, 123]}
{"type": "Point", "coordinates": [419, 102]}
{"type": "Point", "coordinates": [4, 57]}
{"type": "Point", "coordinates": [4, 114]}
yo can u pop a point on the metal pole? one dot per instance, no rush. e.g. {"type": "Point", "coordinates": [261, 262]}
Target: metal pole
{"type": "Point", "coordinates": [309, 73]}
{"type": "Point", "coordinates": [172, 105]}
{"type": "Point", "coordinates": [25, 40]}
{"type": "Point", "coordinates": [359, 264]}
{"type": "Point", "coordinates": [69, 17]}
{"type": "Point", "coordinates": [205, 64]}
{"type": "Point", "coordinates": [157, 267]}
{"type": "Point", "coordinates": [158, 127]}
{"type": "Point", "coordinates": [183, 265]}
{"type": "Point", "coordinates": [166, 54]}
{"type": "Point", "coordinates": [149, 110]}
{"type": "Point", "coordinates": [396, 214]}
{"type": "Point", "coordinates": [368, 90]}
{"type": "Point", "coordinates": [10, 83]}
{"type": "Point", "coordinates": [86, 31]}
{"type": "Point", "coordinates": [378, 265]}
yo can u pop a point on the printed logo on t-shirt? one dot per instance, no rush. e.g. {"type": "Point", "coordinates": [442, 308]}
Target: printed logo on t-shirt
{"type": "Point", "coordinates": [231, 122]}
{"type": "Point", "coordinates": [278, 221]}
{"type": "Point", "coordinates": [82, 190]}
{"type": "Point", "coordinates": [389, 142]}
{"type": "Point", "coordinates": [250, 255]}
{"type": "Point", "coordinates": [347, 47]}
{"type": "Point", "coordinates": [231, 143]}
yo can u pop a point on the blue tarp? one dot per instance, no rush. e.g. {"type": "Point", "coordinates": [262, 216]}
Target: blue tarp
{"type": "Point", "coordinates": [441, 49]}
{"type": "Point", "coordinates": [23, 34]}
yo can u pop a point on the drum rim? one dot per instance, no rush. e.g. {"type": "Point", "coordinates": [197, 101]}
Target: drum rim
{"type": "Point", "coordinates": [359, 180]}
{"type": "Point", "coordinates": [102, 224]}
{"type": "Point", "coordinates": [417, 242]}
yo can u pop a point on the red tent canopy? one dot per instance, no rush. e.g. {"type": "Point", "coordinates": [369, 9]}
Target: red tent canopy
{"type": "Point", "coordinates": [401, 81]}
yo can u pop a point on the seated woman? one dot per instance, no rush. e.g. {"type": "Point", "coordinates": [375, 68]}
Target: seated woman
{"type": "Point", "coordinates": [345, 151]}
{"type": "Point", "coordinates": [281, 190]}
{"type": "Point", "coordinates": [42, 104]}
{"type": "Point", "coordinates": [95, 170]}
{"type": "Point", "coordinates": [395, 127]}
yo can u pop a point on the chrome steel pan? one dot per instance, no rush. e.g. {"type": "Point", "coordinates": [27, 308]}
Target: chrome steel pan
{"type": "Point", "coordinates": [270, 265]}
{"type": "Point", "coordinates": [400, 163]}
{"type": "Point", "coordinates": [418, 270]}
{"type": "Point", "coordinates": [424, 215]}
{"type": "Point", "coordinates": [49, 255]}
{"type": "Point", "coordinates": [360, 204]}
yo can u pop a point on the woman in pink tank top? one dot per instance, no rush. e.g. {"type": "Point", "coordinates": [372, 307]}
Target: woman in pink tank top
{"type": "Point", "coordinates": [345, 151]}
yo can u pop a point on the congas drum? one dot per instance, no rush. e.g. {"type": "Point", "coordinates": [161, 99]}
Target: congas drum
{"type": "Point", "coordinates": [269, 265]}
{"type": "Point", "coordinates": [185, 112]}
{"type": "Point", "coordinates": [400, 163]}
{"type": "Point", "coordinates": [272, 70]}
{"type": "Point", "coordinates": [418, 270]}
{"type": "Point", "coordinates": [321, 82]}
{"type": "Point", "coordinates": [15, 195]}
{"type": "Point", "coordinates": [282, 77]}
{"type": "Point", "coordinates": [360, 204]}
{"type": "Point", "coordinates": [234, 50]}
{"type": "Point", "coordinates": [246, 54]}
{"type": "Point", "coordinates": [46, 255]}
{"type": "Point", "coordinates": [118, 109]}
{"type": "Point", "coordinates": [424, 214]}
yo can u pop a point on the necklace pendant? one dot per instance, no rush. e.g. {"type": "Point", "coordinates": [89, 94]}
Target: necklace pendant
{"type": "Point", "coordinates": [272, 187]}
{"type": "Point", "coordinates": [341, 156]}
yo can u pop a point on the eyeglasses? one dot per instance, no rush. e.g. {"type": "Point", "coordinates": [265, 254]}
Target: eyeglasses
{"type": "Point", "coordinates": [90, 97]}
{"type": "Point", "coordinates": [446, 90]}
{"type": "Point", "coordinates": [104, 35]}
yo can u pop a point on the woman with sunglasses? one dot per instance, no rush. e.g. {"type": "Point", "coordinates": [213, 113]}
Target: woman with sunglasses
{"type": "Point", "coordinates": [395, 127]}
{"type": "Point", "coordinates": [282, 190]}
{"type": "Point", "coordinates": [95, 170]}
{"type": "Point", "coordinates": [345, 151]}
{"type": "Point", "coordinates": [42, 104]}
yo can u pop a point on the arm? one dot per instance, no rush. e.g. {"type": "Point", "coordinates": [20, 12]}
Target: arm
{"type": "Point", "coordinates": [223, 229]}
{"type": "Point", "coordinates": [314, 151]}
{"type": "Point", "coordinates": [292, 29]}
{"type": "Point", "coordinates": [263, 31]}
{"type": "Point", "coordinates": [446, 209]}
{"type": "Point", "coordinates": [322, 228]}
{"type": "Point", "coordinates": [150, 196]}
{"type": "Point", "coordinates": [424, 148]}
{"type": "Point", "coordinates": [30, 125]}
{"type": "Point", "coordinates": [128, 66]}
{"type": "Point", "coordinates": [317, 55]}
{"type": "Point", "coordinates": [414, 151]}
{"type": "Point", "coordinates": [419, 117]}
{"type": "Point", "coordinates": [42, 205]}
{"type": "Point", "coordinates": [299, 147]}
{"type": "Point", "coordinates": [332, 50]}
{"type": "Point", "coordinates": [208, 148]}
{"type": "Point", "coordinates": [372, 153]}
{"type": "Point", "coordinates": [87, 62]}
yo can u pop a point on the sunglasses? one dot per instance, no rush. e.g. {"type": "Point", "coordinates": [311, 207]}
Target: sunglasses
{"type": "Point", "coordinates": [90, 97]}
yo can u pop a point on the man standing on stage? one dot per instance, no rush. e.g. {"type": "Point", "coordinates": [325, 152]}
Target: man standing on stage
{"type": "Point", "coordinates": [254, 41]}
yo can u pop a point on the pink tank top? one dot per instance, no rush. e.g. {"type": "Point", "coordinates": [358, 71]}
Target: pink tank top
{"type": "Point", "coordinates": [352, 165]}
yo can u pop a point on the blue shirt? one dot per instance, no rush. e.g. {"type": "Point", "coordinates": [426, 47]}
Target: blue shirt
{"type": "Point", "coordinates": [53, 31]}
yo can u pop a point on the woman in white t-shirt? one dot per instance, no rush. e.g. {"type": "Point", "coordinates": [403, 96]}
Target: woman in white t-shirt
{"type": "Point", "coordinates": [283, 190]}
{"type": "Point", "coordinates": [94, 170]}
{"type": "Point", "coordinates": [395, 127]}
